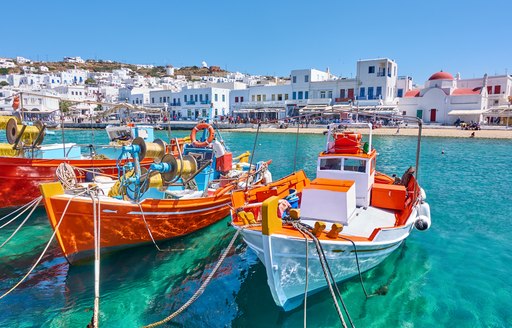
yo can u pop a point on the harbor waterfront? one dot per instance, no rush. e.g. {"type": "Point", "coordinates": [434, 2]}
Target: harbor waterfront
{"type": "Point", "coordinates": [455, 274]}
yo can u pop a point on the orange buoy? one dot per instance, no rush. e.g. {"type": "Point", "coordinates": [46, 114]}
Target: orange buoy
{"type": "Point", "coordinates": [199, 127]}
{"type": "Point", "coordinates": [16, 102]}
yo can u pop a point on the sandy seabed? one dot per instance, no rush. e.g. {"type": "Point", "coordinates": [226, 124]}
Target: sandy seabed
{"type": "Point", "coordinates": [426, 132]}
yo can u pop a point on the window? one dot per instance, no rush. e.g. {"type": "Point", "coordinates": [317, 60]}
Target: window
{"type": "Point", "coordinates": [497, 89]}
{"type": "Point", "coordinates": [216, 97]}
{"type": "Point", "coordinates": [253, 98]}
{"type": "Point", "coordinates": [236, 99]}
{"type": "Point", "coordinates": [160, 99]}
{"type": "Point", "coordinates": [330, 164]}
{"type": "Point", "coordinates": [329, 94]}
{"type": "Point", "coordinates": [264, 97]}
{"type": "Point", "coordinates": [206, 97]}
{"type": "Point", "coordinates": [355, 165]}
{"type": "Point", "coordinates": [370, 92]}
{"type": "Point", "coordinates": [258, 97]}
{"type": "Point", "coordinates": [306, 78]}
{"type": "Point", "coordinates": [273, 97]}
{"type": "Point", "coordinates": [152, 100]}
{"type": "Point", "coordinates": [223, 98]}
{"type": "Point", "coordinates": [241, 99]}
{"type": "Point", "coordinates": [379, 92]}
{"type": "Point", "coordinates": [405, 113]}
{"type": "Point", "coordinates": [279, 97]}
{"type": "Point", "coordinates": [72, 93]}
{"type": "Point", "coordinates": [361, 92]}
{"type": "Point", "coordinates": [195, 97]}
{"type": "Point", "coordinates": [294, 79]}
{"type": "Point", "coordinates": [201, 97]}
{"type": "Point", "coordinates": [489, 89]}
{"type": "Point", "coordinates": [342, 93]}
{"type": "Point", "coordinates": [185, 98]}
{"type": "Point", "coordinates": [371, 69]}
{"type": "Point", "coordinates": [306, 94]}
{"type": "Point", "coordinates": [294, 95]}
{"type": "Point", "coordinates": [322, 94]}
{"type": "Point", "coordinates": [300, 94]}
{"type": "Point", "coordinates": [285, 96]}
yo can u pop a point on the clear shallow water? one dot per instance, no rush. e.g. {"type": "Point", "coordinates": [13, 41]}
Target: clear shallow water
{"type": "Point", "coordinates": [457, 274]}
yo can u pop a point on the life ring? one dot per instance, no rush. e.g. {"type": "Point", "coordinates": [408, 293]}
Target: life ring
{"type": "Point", "coordinates": [199, 127]}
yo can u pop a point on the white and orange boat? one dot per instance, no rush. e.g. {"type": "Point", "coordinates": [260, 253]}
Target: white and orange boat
{"type": "Point", "coordinates": [177, 195]}
{"type": "Point", "coordinates": [353, 214]}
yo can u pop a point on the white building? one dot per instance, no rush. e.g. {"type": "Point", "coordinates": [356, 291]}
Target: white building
{"type": "Point", "coordinates": [374, 88]}
{"type": "Point", "coordinates": [192, 103]}
{"type": "Point", "coordinates": [77, 60]}
{"type": "Point", "coordinates": [74, 76]}
{"type": "Point", "coordinates": [443, 101]}
{"type": "Point", "coordinates": [22, 60]}
{"type": "Point", "coordinates": [376, 80]}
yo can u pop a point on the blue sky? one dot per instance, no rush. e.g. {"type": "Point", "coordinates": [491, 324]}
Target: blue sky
{"type": "Point", "coordinates": [267, 37]}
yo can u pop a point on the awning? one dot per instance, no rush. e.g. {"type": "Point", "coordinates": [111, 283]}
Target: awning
{"type": "Point", "coordinates": [467, 112]}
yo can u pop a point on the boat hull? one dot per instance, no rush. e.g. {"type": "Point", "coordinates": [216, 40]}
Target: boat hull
{"type": "Point", "coordinates": [20, 177]}
{"type": "Point", "coordinates": [122, 222]}
{"type": "Point", "coordinates": [284, 259]}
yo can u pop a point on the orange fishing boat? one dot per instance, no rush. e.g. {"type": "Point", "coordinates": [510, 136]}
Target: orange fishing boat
{"type": "Point", "coordinates": [175, 196]}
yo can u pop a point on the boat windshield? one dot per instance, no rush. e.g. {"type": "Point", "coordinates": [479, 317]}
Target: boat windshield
{"type": "Point", "coordinates": [345, 164]}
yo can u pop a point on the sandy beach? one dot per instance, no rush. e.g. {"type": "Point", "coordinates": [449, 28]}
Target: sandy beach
{"type": "Point", "coordinates": [427, 132]}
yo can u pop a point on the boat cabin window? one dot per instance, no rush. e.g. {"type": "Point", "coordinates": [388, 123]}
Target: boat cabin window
{"type": "Point", "coordinates": [356, 165]}
{"type": "Point", "coordinates": [330, 164]}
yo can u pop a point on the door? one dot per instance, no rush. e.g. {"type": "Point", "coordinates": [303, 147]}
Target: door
{"type": "Point", "coordinates": [351, 93]}
{"type": "Point", "coordinates": [433, 115]}
{"type": "Point", "coordinates": [419, 113]}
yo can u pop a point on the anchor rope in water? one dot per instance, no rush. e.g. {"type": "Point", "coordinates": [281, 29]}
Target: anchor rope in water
{"type": "Point", "coordinates": [46, 247]}
{"type": "Point", "coordinates": [19, 209]}
{"type": "Point", "coordinates": [358, 268]}
{"type": "Point", "coordinates": [325, 270]}
{"type": "Point", "coordinates": [205, 283]}
{"type": "Point", "coordinates": [34, 206]}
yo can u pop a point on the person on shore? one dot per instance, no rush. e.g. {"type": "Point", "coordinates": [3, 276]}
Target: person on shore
{"type": "Point", "coordinates": [398, 130]}
{"type": "Point", "coordinates": [472, 134]}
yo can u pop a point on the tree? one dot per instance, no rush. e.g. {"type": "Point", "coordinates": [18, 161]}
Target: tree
{"type": "Point", "coordinates": [3, 84]}
{"type": "Point", "coordinates": [98, 108]}
{"type": "Point", "coordinates": [90, 81]}
{"type": "Point", "coordinates": [64, 106]}
{"type": "Point", "coordinates": [4, 71]}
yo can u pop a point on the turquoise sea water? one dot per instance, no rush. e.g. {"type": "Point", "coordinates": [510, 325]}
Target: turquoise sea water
{"type": "Point", "coordinates": [457, 274]}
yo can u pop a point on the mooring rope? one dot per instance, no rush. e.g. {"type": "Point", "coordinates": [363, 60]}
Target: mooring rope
{"type": "Point", "coordinates": [252, 157]}
{"type": "Point", "coordinates": [24, 220]}
{"type": "Point", "coordinates": [358, 268]}
{"type": "Point", "coordinates": [205, 283]}
{"type": "Point", "coordinates": [25, 208]}
{"type": "Point", "coordinates": [307, 280]}
{"type": "Point", "coordinates": [298, 226]}
{"type": "Point", "coordinates": [97, 251]}
{"type": "Point", "coordinates": [19, 209]}
{"type": "Point", "coordinates": [46, 247]}
{"type": "Point", "coordinates": [149, 230]}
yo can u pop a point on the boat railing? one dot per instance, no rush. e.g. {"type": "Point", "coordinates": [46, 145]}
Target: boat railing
{"type": "Point", "coordinates": [90, 146]}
